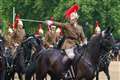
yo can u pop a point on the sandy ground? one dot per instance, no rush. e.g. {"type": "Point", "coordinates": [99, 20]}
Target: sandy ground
{"type": "Point", "coordinates": [114, 72]}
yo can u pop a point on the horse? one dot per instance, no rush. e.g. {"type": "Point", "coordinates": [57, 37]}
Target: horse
{"type": "Point", "coordinates": [105, 61]}
{"type": "Point", "coordinates": [2, 60]}
{"type": "Point", "coordinates": [8, 63]}
{"type": "Point", "coordinates": [55, 62]}
{"type": "Point", "coordinates": [23, 55]}
{"type": "Point", "coordinates": [30, 70]}
{"type": "Point", "coordinates": [116, 50]}
{"type": "Point", "coordinates": [99, 45]}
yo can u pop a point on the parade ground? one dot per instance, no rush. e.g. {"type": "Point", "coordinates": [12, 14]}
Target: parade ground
{"type": "Point", "coordinates": [114, 72]}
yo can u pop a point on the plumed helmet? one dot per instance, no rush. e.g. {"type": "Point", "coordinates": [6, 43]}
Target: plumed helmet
{"type": "Point", "coordinates": [97, 28]}
{"type": "Point", "coordinates": [71, 13]}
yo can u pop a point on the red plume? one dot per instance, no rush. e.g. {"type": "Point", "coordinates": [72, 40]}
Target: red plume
{"type": "Point", "coordinates": [97, 24]}
{"type": "Point", "coordinates": [74, 8]}
{"type": "Point", "coordinates": [17, 17]}
{"type": "Point", "coordinates": [61, 32]}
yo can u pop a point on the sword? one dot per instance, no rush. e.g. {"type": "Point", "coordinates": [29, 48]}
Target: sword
{"type": "Point", "coordinates": [45, 22]}
{"type": "Point", "coordinates": [30, 20]}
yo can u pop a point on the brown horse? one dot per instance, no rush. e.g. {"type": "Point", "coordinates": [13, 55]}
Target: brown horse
{"type": "Point", "coordinates": [98, 45]}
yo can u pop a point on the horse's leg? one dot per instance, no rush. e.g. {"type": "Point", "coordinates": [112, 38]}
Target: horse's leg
{"type": "Point", "coordinates": [106, 70]}
{"type": "Point", "coordinates": [72, 73]}
{"type": "Point", "coordinates": [28, 76]}
{"type": "Point", "coordinates": [2, 76]}
{"type": "Point", "coordinates": [29, 72]}
{"type": "Point", "coordinates": [12, 75]}
{"type": "Point", "coordinates": [97, 73]}
{"type": "Point", "coordinates": [39, 76]}
{"type": "Point", "coordinates": [54, 77]}
{"type": "Point", "coordinates": [20, 76]}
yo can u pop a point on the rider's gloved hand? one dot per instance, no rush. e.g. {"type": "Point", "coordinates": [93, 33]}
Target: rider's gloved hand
{"type": "Point", "coordinates": [84, 45]}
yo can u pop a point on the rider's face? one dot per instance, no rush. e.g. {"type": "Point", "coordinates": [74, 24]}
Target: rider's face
{"type": "Point", "coordinates": [53, 28]}
{"type": "Point", "coordinates": [20, 26]}
{"type": "Point", "coordinates": [72, 21]}
{"type": "Point", "coordinates": [0, 31]}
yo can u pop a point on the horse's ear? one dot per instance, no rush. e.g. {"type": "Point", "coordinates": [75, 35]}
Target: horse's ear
{"type": "Point", "coordinates": [112, 29]}
{"type": "Point", "coordinates": [107, 30]}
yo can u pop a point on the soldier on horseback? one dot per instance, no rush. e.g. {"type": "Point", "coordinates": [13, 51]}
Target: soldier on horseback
{"type": "Point", "coordinates": [15, 34]}
{"type": "Point", "coordinates": [40, 32]}
{"type": "Point", "coordinates": [72, 31]}
{"type": "Point", "coordinates": [51, 35]}
{"type": "Point", "coordinates": [97, 29]}
{"type": "Point", "coordinates": [19, 32]}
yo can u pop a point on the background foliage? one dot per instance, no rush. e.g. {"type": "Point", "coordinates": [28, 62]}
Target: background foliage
{"type": "Point", "coordinates": [106, 11]}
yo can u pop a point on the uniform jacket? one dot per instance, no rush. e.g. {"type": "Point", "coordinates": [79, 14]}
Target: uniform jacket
{"type": "Point", "coordinates": [73, 34]}
{"type": "Point", "coordinates": [50, 38]}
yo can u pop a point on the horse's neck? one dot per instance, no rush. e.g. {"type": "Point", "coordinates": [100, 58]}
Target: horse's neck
{"type": "Point", "coordinates": [93, 51]}
{"type": "Point", "coordinates": [40, 47]}
{"type": "Point", "coordinates": [26, 47]}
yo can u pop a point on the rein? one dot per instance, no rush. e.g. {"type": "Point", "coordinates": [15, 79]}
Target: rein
{"type": "Point", "coordinates": [105, 57]}
{"type": "Point", "coordinates": [28, 39]}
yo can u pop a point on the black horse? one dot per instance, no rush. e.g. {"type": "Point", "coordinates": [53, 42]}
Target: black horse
{"type": "Point", "coordinates": [2, 60]}
{"type": "Point", "coordinates": [8, 63]}
{"type": "Point", "coordinates": [23, 55]}
{"type": "Point", "coordinates": [55, 62]}
{"type": "Point", "coordinates": [105, 60]}
{"type": "Point", "coordinates": [99, 45]}
{"type": "Point", "coordinates": [30, 70]}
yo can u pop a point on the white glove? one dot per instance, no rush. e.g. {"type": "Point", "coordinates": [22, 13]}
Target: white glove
{"type": "Point", "coordinates": [51, 46]}
{"type": "Point", "coordinates": [16, 44]}
{"type": "Point", "coordinates": [10, 30]}
{"type": "Point", "coordinates": [85, 42]}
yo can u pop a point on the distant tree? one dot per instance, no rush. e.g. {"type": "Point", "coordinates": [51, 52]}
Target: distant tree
{"type": "Point", "coordinates": [106, 11]}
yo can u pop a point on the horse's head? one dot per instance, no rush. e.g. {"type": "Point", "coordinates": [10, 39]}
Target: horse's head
{"type": "Point", "coordinates": [100, 44]}
{"type": "Point", "coordinates": [107, 39]}
{"type": "Point", "coordinates": [30, 41]}
{"type": "Point", "coordinates": [115, 50]}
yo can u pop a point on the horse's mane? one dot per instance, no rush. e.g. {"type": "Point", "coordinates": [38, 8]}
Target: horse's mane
{"type": "Point", "coordinates": [94, 41]}
{"type": "Point", "coordinates": [93, 47]}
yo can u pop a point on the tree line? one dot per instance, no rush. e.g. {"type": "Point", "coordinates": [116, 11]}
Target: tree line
{"type": "Point", "coordinates": [107, 12]}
